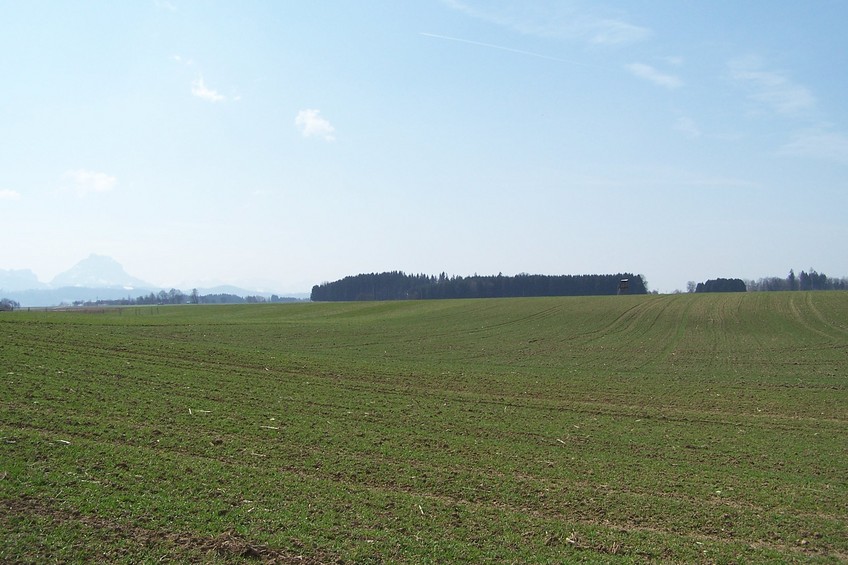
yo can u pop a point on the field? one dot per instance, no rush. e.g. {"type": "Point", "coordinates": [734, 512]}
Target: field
{"type": "Point", "coordinates": [678, 428]}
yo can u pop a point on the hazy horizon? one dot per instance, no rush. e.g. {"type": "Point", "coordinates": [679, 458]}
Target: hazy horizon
{"type": "Point", "coordinates": [109, 272]}
{"type": "Point", "coordinates": [282, 145]}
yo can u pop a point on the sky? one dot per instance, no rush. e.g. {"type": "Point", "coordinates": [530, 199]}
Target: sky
{"type": "Point", "coordinates": [279, 145]}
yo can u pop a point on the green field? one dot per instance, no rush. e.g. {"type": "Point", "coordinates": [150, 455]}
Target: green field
{"type": "Point", "coordinates": [679, 428]}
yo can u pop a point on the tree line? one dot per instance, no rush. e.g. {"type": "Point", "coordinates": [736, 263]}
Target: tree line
{"type": "Point", "coordinates": [175, 296]}
{"type": "Point", "coordinates": [802, 281]}
{"type": "Point", "coordinates": [722, 285]}
{"type": "Point", "coordinates": [397, 285]}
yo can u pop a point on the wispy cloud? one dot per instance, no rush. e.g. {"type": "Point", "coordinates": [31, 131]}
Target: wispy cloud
{"type": "Point", "coordinates": [772, 88]}
{"type": "Point", "coordinates": [818, 144]}
{"type": "Point", "coordinates": [717, 182]}
{"type": "Point", "coordinates": [312, 124]}
{"type": "Point", "coordinates": [651, 74]}
{"type": "Point", "coordinates": [684, 178]}
{"type": "Point", "coordinates": [554, 20]}
{"type": "Point", "coordinates": [667, 177]}
{"type": "Point", "coordinates": [165, 5]}
{"type": "Point", "coordinates": [182, 60]}
{"type": "Point", "coordinates": [687, 126]}
{"type": "Point", "coordinates": [200, 90]}
{"type": "Point", "coordinates": [613, 32]}
{"type": "Point", "coordinates": [85, 182]}
{"type": "Point", "coordinates": [6, 194]}
{"type": "Point", "coordinates": [493, 46]}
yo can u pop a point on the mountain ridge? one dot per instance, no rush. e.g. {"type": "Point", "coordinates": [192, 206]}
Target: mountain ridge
{"type": "Point", "coordinates": [97, 277]}
{"type": "Point", "coordinates": [98, 271]}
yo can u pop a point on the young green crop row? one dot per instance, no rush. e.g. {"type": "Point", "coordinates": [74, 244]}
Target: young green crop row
{"type": "Point", "coordinates": [677, 428]}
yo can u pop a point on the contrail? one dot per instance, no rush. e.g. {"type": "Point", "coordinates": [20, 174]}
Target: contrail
{"type": "Point", "coordinates": [501, 47]}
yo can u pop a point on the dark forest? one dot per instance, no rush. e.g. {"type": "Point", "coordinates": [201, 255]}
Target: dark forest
{"type": "Point", "coordinates": [397, 285]}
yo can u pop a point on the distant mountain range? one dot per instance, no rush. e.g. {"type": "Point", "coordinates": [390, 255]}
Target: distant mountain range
{"type": "Point", "coordinates": [97, 277]}
{"type": "Point", "coordinates": [98, 271]}
{"type": "Point", "coordinates": [95, 271]}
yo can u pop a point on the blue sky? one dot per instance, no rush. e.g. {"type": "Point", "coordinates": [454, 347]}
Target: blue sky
{"type": "Point", "coordinates": [278, 145]}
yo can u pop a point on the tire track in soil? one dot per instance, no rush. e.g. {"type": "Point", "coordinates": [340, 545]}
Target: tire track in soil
{"type": "Point", "coordinates": [798, 316]}
{"type": "Point", "coordinates": [541, 314]}
{"type": "Point", "coordinates": [818, 314]}
{"type": "Point", "coordinates": [627, 319]}
{"type": "Point", "coordinates": [625, 327]}
{"type": "Point", "coordinates": [674, 341]}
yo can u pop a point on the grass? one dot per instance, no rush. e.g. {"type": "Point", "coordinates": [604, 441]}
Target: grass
{"type": "Point", "coordinates": [686, 428]}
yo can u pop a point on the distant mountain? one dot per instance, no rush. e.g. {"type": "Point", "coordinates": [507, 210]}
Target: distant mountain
{"type": "Point", "coordinates": [23, 279]}
{"type": "Point", "coordinates": [230, 289]}
{"type": "Point", "coordinates": [96, 277]}
{"type": "Point", "coordinates": [98, 271]}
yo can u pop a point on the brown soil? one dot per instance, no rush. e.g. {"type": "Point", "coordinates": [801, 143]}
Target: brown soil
{"type": "Point", "coordinates": [226, 545]}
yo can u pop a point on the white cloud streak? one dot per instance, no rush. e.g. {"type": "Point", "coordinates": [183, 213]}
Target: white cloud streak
{"type": "Point", "coordinates": [165, 5]}
{"type": "Point", "coordinates": [651, 74]}
{"type": "Point", "coordinates": [493, 46]}
{"type": "Point", "coordinates": [772, 88]}
{"type": "Point", "coordinates": [613, 32]}
{"type": "Point", "coordinates": [7, 194]}
{"type": "Point", "coordinates": [87, 182]}
{"type": "Point", "coordinates": [200, 90]}
{"type": "Point", "coordinates": [687, 126]}
{"type": "Point", "coordinates": [312, 124]}
{"type": "Point", "coordinates": [182, 60]}
{"type": "Point", "coordinates": [554, 20]}
{"type": "Point", "coordinates": [828, 146]}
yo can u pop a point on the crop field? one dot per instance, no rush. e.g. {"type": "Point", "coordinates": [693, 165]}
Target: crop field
{"type": "Point", "coordinates": [678, 428]}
